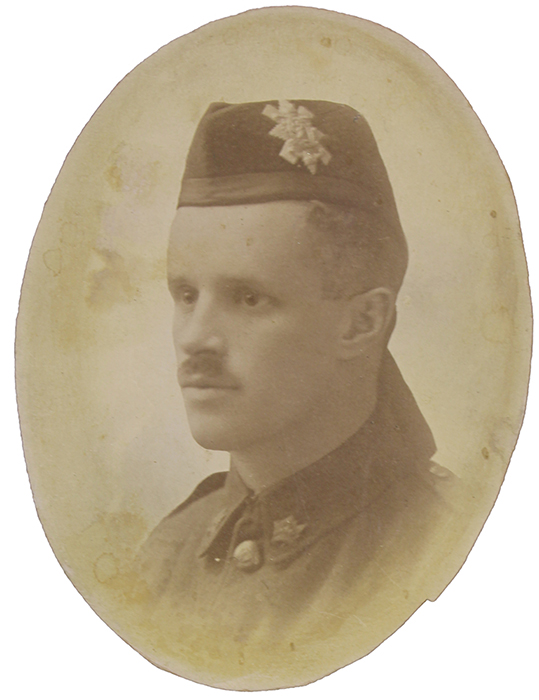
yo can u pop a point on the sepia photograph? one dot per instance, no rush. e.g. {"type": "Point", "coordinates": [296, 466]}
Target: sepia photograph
{"type": "Point", "coordinates": [272, 361]}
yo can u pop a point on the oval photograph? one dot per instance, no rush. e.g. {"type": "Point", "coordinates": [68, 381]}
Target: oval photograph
{"type": "Point", "coordinates": [282, 310]}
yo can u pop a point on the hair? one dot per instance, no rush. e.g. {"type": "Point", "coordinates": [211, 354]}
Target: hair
{"type": "Point", "coordinates": [356, 250]}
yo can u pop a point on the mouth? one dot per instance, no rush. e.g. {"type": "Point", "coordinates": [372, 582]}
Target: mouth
{"type": "Point", "coordinates": [206, 394]}
{"type": "Point", "coordinates": [205, 383]}
{"type": "Point", "coordinates": [199, 388]}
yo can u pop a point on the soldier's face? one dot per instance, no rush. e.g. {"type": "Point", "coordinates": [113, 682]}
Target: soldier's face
{"type": "Point", "coordinates": [255, 339]}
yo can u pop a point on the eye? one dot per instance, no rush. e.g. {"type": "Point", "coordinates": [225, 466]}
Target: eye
{"type": "Point", "coordinates": [250, 298]}
{"type": "Point", "coordinates": [186, 295]}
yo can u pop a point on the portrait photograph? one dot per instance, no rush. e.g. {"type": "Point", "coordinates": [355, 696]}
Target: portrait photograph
{"type": "Point", "coordinates": [273, 352]}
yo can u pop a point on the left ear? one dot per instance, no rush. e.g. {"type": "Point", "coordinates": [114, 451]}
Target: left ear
{"type": "Point", "coordinates": [366, 320]}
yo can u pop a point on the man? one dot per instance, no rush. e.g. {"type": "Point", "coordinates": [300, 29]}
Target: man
{"type": "Point", "coordinates": [285, 259]}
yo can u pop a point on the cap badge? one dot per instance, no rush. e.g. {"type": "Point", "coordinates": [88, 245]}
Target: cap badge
{"type": "Point", "coordinates": [287, 530]}
{"type": "Point", "coordinates": [302, 140]}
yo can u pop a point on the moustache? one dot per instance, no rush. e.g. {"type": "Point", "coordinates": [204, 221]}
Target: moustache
{"type": "Point", "coordinates": [205, 368]}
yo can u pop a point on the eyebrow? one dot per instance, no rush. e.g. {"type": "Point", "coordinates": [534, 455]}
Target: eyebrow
{"type": "Point", "coordinates": [177, 279]}
{"type": "Point", "coordinates": [224, 281]}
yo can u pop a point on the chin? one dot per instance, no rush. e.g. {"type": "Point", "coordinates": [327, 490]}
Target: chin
{"type": "Point", "coordinates": [213, 435]}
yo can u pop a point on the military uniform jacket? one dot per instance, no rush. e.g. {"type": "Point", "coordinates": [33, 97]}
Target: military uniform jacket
{"type": "Point", "coordinates": [343, 549]}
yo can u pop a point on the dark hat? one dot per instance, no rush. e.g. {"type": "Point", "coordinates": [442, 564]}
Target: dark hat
{"type": "Point", "coordinates": [291, 150]}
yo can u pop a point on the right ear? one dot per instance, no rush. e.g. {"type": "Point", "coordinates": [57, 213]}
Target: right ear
{"type": "Point", "coordinates": [366, 318]}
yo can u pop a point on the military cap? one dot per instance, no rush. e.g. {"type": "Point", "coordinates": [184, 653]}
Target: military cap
{"type": "Point", "coordinates": [305, 150]}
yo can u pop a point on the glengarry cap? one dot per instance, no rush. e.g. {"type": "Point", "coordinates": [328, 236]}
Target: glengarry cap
{"type": "Point", "coordinates": [292, 150]}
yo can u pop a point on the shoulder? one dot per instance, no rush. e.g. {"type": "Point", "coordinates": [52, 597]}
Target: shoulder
{"type": "Point", "coordinates": [444, 546]}
{"type": "Point", "coordinates": [430, 495]}
{"type": "Point", "coordinates": [213, 483]}
{"type": "Point", "coordinates": [170, 535]}
{"type": "Point", "coordinates": [198, 505]}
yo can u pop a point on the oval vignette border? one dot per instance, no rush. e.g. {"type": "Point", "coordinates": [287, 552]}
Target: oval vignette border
{"type": "Point", "coordinates": [52, 261]}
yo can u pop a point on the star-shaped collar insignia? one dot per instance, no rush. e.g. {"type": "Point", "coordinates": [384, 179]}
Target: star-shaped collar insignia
{"type": "Point", "coordinates": [302, 140]}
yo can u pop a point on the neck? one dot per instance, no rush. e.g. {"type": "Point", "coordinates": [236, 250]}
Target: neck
{"type": "Point", "coordinates": [286, 453]}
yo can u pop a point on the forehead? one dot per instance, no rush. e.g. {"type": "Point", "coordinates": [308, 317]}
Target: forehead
{"type": "Point", "coordinates": [270, 237]}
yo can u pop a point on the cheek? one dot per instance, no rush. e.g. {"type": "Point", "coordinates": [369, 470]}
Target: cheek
{"type": "Point", "coordinates": [291, 352]}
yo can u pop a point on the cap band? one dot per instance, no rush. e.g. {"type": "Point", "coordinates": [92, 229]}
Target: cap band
{"type": "Point", "coordinates": [267, 187]}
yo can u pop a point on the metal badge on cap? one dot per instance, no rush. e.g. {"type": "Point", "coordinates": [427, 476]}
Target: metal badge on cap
{"type": "Point", "coordinates": [302, 139]}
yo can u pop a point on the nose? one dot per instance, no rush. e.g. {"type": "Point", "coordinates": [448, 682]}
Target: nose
{"type": "Point", "coordinates": [199, 329]}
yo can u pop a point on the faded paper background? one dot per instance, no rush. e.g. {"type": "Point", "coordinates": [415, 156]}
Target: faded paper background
{"type": "Point", "coordinates": [102, 225]}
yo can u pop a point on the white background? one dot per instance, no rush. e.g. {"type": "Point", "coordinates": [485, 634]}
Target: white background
{"type": "Point", "coordinates": [479, 640]}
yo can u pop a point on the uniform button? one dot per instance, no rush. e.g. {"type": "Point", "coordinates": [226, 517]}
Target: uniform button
{"type": "Point", "coordinates": [247, 555]}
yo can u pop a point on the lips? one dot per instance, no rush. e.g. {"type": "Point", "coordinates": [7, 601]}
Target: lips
{"type": "Point", "coordinates": [204, 383]}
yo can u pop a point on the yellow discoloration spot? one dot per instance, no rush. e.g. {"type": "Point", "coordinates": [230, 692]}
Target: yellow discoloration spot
{"type": "Point", "coordinates": [130, 172]}
{"type": "Point", "coordinates": [53, 260]}
{"type": "Point", "coordinates": [105, 568]}
{"type": "Point", "coordinates": [114, 178]}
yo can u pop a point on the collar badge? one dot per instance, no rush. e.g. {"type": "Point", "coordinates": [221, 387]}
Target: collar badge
{"type": "Point", "coordinates": [302, 140]}
{"type": "Point", "coordinates": [287, 530]}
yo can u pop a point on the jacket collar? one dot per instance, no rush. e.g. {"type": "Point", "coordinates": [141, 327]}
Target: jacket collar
{"type": "Point", "coordinates": [288, 516]}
